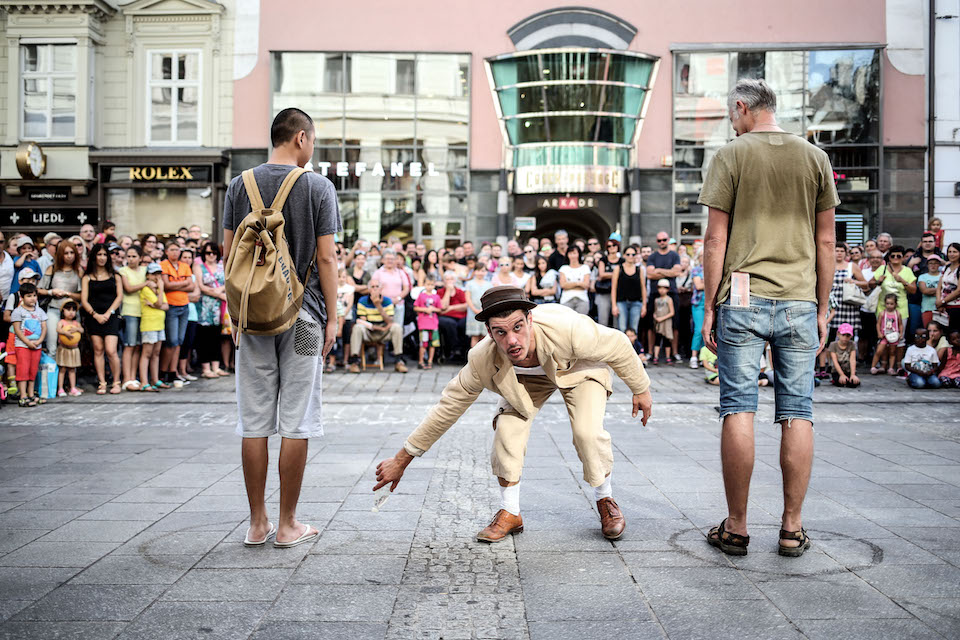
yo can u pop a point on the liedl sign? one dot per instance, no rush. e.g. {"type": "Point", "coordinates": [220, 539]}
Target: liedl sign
{"type": "Point", "coordinates": [47, 217]}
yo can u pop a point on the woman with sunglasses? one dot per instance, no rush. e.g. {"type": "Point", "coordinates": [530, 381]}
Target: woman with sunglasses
{"type": "Point", "coordinates": [629, 290]}
{"type": "Point", "coordinates": [529, 259]}
{"type": "Point", "coordinates": [948, 293]}
{"type": "Point", "coordinates": [210, 278]}
{"type": "Point", "coordinates": [895, 278]}
{"type": "Point", "coordinates": [605, 269]}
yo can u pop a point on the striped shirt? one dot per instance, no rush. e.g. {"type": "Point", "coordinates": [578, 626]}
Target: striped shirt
{"type": "Point", "coordinates": [366, 310]}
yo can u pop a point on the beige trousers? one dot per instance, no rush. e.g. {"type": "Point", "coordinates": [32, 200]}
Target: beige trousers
{"type": "Point", "coordinates": [360, 334]}
{"type": "Point", "coordinates": [586, 405]}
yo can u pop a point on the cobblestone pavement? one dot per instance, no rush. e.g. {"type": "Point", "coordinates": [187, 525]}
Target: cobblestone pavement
{"type": "Point", "coordinates": [124, 517]}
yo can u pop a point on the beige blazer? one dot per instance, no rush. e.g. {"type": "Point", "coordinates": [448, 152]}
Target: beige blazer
{"type": "Point", "coordinates": [571, 348]}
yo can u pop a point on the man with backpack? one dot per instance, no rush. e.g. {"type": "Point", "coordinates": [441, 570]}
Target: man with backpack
{"type": "Point", "coordinates": [281, 280]}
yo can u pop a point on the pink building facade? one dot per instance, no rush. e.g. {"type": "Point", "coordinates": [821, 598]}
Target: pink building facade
{"type": "Point", "coordinates": [504, 119]}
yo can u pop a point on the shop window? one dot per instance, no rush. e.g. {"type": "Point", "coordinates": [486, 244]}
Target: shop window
{"type": "Point", "coordinates": [173, 104]}
{"type": "Point", "coordinates": [48, 91]}
{"type": "Point", "coordinates": [406, 71]}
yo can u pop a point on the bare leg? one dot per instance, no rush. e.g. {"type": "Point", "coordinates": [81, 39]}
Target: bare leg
{"type": "Point", "coordinates": [60, 379]}
{"type": "Point", "coordinates": [128, 364]}
{"type": "Point", "coordinates": [255, 458]}
{"type": "Point", "coordinates": [155, 363]}
{"type": "Point", "coordinates": [98, 363]}
{"type": "Point", "coordinates": [293, 459]}
{"type": "Point", "coordinates": [736, 453]}
{"type": "Point", "coordinates": [796, 460]}
{"type": "Point", "coordinates": [111, 342]}
{"type": "Point", "coordinates": [72, 375]}
{"type": "Point", "coordinates": [675, 342]}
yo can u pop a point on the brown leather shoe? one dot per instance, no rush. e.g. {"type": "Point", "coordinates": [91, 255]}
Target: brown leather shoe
{"type": "Point", "coordinates": [611, 519]}
{"type": "Point", "coordinates": [354, 367]}
{"type": "Point", "coordinates": [504, 524]}
{"type": "Point", "coordinates": [400, 367]}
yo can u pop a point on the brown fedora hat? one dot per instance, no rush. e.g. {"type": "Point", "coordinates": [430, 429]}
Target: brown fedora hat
{"type": "Point", "coordinates": [504, 298]}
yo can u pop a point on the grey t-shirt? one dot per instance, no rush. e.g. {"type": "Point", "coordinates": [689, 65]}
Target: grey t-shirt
{"type": "Point", "coordinates": [311, 210]}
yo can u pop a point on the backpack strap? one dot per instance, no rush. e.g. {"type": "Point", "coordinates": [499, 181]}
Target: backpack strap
{"type": "Point", "coordinates": [253, 191]}
{"type": "Point", "coordinates": [285, 188]}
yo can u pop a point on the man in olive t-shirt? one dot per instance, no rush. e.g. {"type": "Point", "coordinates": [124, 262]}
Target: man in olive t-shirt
{"type": "Point", "coordinates": [768, 270]}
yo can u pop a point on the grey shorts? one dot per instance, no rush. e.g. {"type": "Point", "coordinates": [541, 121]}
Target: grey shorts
{"type": "Point", "coordinates": [279, 382]}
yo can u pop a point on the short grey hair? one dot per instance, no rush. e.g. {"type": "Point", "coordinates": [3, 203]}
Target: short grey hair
{"type": "Point", "coordinates": [388, 252]}
{"type": "Point", "coordinates": [448, 272]}
{"type": "Point", "coordinates": [755, 94]}
{"type": "Point", "coordinates": [884, 235]}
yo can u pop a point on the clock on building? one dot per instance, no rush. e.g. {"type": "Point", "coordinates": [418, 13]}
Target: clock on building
{"type": "Point", "coordinates": [31, 162]}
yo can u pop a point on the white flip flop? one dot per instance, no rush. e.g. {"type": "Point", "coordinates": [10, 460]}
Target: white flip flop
{"type": "Point", "coordinates": [251, 543]}
{"type": "Point", "coordinates": [306, 537]}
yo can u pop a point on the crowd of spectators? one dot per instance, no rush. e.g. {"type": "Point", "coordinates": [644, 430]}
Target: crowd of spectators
{"type": "Point", "coordinates": [138, 314]}
{"type": "Point", "coordinates": [142, 314]}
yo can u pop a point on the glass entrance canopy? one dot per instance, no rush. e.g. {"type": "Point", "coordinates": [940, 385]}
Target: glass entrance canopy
{"type": "Point", "coordinates": [571, 105]}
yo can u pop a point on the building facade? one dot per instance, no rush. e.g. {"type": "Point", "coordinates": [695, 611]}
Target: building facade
{"type": "Point", "coordinates": [115, 111]}
{"type": "Point", "coordinates": [512, 119]}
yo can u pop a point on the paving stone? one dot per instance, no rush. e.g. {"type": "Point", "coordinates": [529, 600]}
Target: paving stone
{"type": "Point", "coordinates": [835, 597]}
{"type": "Point", "coordinates": [62, 630]}
{"type": "Point", "coordinates": [866, 629]}
{"type": "Point", "coordinates": [574, 630]}
{"type": "Point", "coordinates": [31, 583]}
{"type": "Point", "coordinates": [940, 614]}
{"type": "Point", "coordinates": [92, 602]}
{"type": "Point", "coordinates": [931, 581]}
{"type": "Point", "coordinates": [537, 569]}
{"type": "Point", "coordinates": [332, 603]}
{"type": "Point", "coordinates": [21, 518]}
{"type": "Point", "coordinates": [236, 555]}
{"type": "Point", "coordinates": [337, 569]}
{"type": "Point", "coordinates": [273, 629]}
{"type": "Point", "coordinates": [694, 584]}
{"type": "Point", "coordinates": [586, 602]}
{"type": "Point", "coordinates": [57, 554]}
{"type": "Point", "coordinates": [724, 619]}
{"type": "Point", "coordinates": [152, 569]}
{"type": "Point", "coordinates": [229, 585]}
{"type": "Point", "coordinates": [154, 541]}
{"type": "Point", "coordinates": [364, 543]}
{"type": "Point", "coordinates": [216, 620]}
{"type": "Point", "coordinates": [96, 531]}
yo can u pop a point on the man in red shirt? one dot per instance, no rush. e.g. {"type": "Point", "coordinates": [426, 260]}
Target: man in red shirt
{"type": "Point", "coordinates": [453, 317]}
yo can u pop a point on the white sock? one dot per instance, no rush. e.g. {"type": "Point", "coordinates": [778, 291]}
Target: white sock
{"type": "Point", "coordinates": [604, 490]}
{"type": "Point", "coordinates": [510, 499]}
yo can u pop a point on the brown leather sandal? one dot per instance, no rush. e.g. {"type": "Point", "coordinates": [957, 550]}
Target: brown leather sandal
{"type": "Point", "coordinates": [797, 551]}
{"type": "Point", "coordinates": [732, 544]}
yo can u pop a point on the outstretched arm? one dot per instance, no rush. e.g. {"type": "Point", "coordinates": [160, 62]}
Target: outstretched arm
{"type": "Point", "coordinates": [459, 394]}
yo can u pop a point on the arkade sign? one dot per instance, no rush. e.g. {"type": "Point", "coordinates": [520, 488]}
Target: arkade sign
{"type": "Point", "coordinates": [570, 202]}
{"type": "Point", "coordinates": [556, 178]}
{"type": "Point", "coordinates": [161, 173]}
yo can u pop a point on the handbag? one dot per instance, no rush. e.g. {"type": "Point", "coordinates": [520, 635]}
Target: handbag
{"type": "Point", "coordinates": [892, 337]}
{"type": "Point", "coordinates": [941, 318]}
{"type": "Point", "coordinates": [852, 294]}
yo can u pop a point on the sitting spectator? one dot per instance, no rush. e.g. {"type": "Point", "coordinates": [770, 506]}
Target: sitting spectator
{"type": "Point", "coordinates": [950, 364]}
{"type": "Point", "coordinates": [637, 345]}
{"type": "Point", "coordinates": [937, 339]}
{"type": "Point", "coordinates": [427, 306]}
{"type": "Point", "coordinates": [453, 317]}
{"type": "Point", "coordinates": [709, 361]}
{"type": "Point", "coordinates": [843, 356]}
{"type": "Point", "coordinates": [345, 297]}
{"type": "Point", "coordinates": [375, 324]}
{"type": "Point", "coordinates": [890, 329]}
{"type": "Point", "coordinates": [927, 284]}
{"type": "Point", "coordinates": [921, 363]}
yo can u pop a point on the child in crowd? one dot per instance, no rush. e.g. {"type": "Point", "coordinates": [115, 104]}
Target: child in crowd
{"type": "Point", "coordinates": [927, 284]}
{"type": "Point", "coordinates": [153, 314]}
{"type": "Point", "coordinates": [663, 313]}
{"type": "Point", "coordinates": [11, 303]}
{"type": "Point", "coordinates": [427, 307]}
{"type": "Point", "coordinates": [950, 364]}
{"type": "Point", "coordinates": [27, 260]}
{"type": "Point", "coordinates": [765, 379]}
{"type": "Point", "coordinates": [936, 228]}
{"type": "Point", "coordinates": [921, 363]}
{"type": "Point", "coordinates": [30, 329]}
{"type": "Point", "coordinates": [637, 345]}
{"type": "Point", "coordinates": [709, 361]}
{"type": "Point", "coordinates": [937, 339]}
{"type": "Point", "coordinates": [474, 290]}
{"type": "Point", "coordinates": [889, 328]}
{"type": "Point", "coordinates": [843, 357]}
{"type": "Point", "coordinates": [345, 291]}
{"type": "Point", "coordinates": [69, 331]}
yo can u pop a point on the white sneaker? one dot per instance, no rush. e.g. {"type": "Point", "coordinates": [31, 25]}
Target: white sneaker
{"type": "Point", "coordinates": [693, 362]}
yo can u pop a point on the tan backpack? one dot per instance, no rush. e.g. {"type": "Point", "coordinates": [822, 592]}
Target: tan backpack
{"type": "Point", "coordinates": [264, 293]}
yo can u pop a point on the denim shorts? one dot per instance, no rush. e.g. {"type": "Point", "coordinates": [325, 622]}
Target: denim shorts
{"type": "Point", "coordinates": [152, 337]}
{"type": "Point", "coordinates": [131, 331]}
{"type": "Point", "coordinates": [176, 324]}
{"type": "Point", "coordinates": [790, 326]}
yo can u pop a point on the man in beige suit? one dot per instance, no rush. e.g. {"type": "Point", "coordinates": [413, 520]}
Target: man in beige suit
{"type": "Point", "coordinates": [530, 352]}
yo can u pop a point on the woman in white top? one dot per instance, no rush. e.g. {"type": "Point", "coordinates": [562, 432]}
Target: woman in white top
{"type": "Point", "coordinates": [520, 272]}
{"type": "Point", "coordinates": [575, 282]}
{"type": "Point", "coordinates": [504, 275]}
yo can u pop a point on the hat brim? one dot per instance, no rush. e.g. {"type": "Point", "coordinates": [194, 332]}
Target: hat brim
{"type": "Point", "coordinates": [505, 305]}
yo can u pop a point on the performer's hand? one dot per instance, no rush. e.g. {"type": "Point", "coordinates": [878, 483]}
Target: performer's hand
{"type": "Point", "coordinates": [643, 402]}
{"type": "Point", "coordinates": [709, 338]}
{"type": "Point", "coordinates": [329, 338]}
{"type": "Point", "coordinates": [391, 470]}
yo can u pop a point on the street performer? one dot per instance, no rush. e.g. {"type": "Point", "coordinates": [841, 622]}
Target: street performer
{"type": "Point", "coordinates": [531, 351]}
